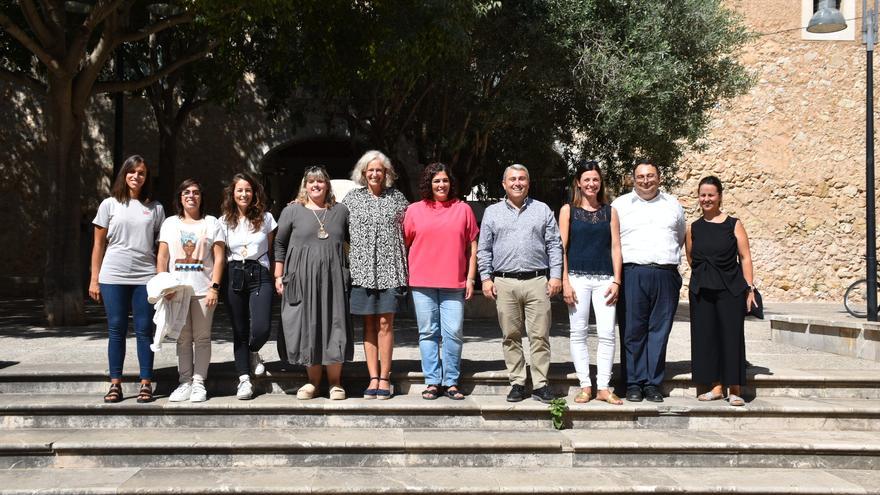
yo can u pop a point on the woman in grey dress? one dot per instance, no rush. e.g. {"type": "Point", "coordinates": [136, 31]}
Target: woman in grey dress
{"type": "Point", "coordinates": [313, 278]}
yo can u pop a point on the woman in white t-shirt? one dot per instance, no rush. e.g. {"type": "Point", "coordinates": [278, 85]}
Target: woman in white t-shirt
{"type": "Point", "coordinates": [250, 230]}
{"type": "Point", "coordinates": [123, 260]}
{"type": "Point", "coordinates": [191, 246]}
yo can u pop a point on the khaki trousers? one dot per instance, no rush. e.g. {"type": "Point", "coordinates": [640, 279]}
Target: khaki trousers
{"type": "Point", "coordinates": [194, 343]}
{"type": "Point", "coordinates": [524, 303]}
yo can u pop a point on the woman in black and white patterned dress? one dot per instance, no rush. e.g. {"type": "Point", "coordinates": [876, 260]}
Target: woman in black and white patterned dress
{"type": "Point", "coordinates": [378, 262]}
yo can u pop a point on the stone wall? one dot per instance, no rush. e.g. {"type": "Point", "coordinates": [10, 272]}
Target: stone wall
{"type": "Point", "coordinates": [791, 156]}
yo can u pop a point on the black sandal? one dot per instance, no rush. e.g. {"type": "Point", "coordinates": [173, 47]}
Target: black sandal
{"type": "Point", "coordinates": [454, 393]}
{"type": "Point", "coordinates": [431, 392]}
{"type": "Point", "coordinates": [115, 393]}
{"type": "Point", "coordinates": [145, 394]}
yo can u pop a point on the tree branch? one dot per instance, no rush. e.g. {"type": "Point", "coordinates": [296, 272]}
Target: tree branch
{"type": "Point", "coordinates": [22, 80]}
{"type": "Point", "coordinates": [159, 26]}
{"type": "Point", "coordinates": [28, 42]}
{"type": "Point", "coordinates": [99, 12]}
{"type": "Point", "coordinates": [36, 24]}
{"type": "Point", "coordinates": [116, 86]}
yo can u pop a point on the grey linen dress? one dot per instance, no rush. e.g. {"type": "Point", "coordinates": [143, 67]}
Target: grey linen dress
{"type": "Point", "coordinates": [314, 305]}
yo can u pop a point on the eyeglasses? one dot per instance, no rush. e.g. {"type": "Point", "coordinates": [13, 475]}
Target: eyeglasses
{"type": "Point", "coordinates": [191, 192]}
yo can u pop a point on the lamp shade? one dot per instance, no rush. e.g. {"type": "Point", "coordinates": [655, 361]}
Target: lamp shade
{"type": "Point", "coordinates": [827, 19]}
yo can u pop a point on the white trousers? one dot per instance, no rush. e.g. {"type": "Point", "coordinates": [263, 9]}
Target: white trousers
{"type": "Point", "coordinates": [591, 288]}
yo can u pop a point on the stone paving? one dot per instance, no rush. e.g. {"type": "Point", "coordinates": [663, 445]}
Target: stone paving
{"type": "Point", "coordinates": [26, 342]}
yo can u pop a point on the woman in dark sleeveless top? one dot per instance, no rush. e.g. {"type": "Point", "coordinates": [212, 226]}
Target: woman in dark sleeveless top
{"type": "Point", "coordinates": [721, 292]}
{"type": "Point", "coordinates": [591, 273]}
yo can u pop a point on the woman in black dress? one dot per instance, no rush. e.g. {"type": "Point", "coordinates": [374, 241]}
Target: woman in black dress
{"type": "Point", "coordinates": [721, 291]}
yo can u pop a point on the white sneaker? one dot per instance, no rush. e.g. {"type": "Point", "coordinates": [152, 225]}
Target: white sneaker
{"type": "Point", "coordinates": [245, 389]}
{"type": "Point", "coordinates": [257, 366]}
{"type": "Point", "coordinates": [199, 394]}
{"type": "Point", "coordinates": [181, 393]}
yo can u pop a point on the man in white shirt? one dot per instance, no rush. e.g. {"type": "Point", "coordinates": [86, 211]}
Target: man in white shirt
{"type": "Point", "coordinates": [652, 231]}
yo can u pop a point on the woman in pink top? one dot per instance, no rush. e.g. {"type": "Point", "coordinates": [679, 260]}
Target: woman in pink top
{"type": "Point", "coordinates": [441, 234]}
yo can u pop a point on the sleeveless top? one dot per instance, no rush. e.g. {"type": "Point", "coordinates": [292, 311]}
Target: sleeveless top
{"type": "Point", "coordinates": [715, 257]}
{"type": "Point", "coordinates": [589, 241]}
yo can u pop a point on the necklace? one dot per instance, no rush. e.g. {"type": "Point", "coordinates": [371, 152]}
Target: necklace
{"type": "Point", "coordinates": [322, 233]}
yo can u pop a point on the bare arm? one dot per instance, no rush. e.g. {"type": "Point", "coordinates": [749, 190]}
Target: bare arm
{"type": "Point", "coordinates": [98, 249]}
{"type": "Point", "coordinates": [472, 270]}
{"type": "Point", "coordinates": [745, 261]}
{"type": "Point", "coordinates": [219, 253]}
{"type": "Point", "coordinates": [568, 294]}
{"type": "Point", "coordinates": [162, 257]}
{"type": "Point", "coordinates": [688, 245]}
{"type": "Point", "coordinates": [613, 292]}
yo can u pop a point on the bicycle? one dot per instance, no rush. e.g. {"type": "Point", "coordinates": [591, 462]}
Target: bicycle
{"type": "Point", "coordinates": [855, 299]}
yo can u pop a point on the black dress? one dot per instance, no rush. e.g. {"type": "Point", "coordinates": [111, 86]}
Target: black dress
{"type": "Point", "coordinates": [717, 304]}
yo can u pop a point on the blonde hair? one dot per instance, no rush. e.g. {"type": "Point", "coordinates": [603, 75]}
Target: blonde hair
{"type": "Point", "coordinates": [359, 171]}
{"type": "Point", "coordinates": [316, 172]}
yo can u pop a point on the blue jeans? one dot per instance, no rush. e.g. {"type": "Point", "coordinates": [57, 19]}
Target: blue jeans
{"type": "Point", "coordinates": [440, 312]}
{"type": "Point", "coordinates": [118, 301]}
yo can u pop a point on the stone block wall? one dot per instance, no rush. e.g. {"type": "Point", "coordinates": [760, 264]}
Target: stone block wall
{"type": "Point", "coordinates": [791, 156]}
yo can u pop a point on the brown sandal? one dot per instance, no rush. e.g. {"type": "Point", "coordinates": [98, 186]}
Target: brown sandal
{"type": "Point", "coordinates": [145, 394]}
{"type": "Point", "coordinates": [115, 393]}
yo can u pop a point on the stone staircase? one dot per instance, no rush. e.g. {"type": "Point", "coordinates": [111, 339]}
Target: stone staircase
{"type": "Point", "coordinates": [801, 432]}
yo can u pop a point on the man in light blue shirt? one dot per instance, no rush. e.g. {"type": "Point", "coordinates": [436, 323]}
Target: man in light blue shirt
{"type": "Point", "coordinates": [520, 263]}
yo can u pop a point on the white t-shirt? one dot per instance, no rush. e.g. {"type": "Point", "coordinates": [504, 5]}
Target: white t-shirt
{"type": "Point", "coordinates": [130, 257]}
{"type": "Point", "coordinates": [242, 243]}
{"type": "Point", "coordinates": [650, 231]}
{"type": "Point", "coordinates": [190, 249]}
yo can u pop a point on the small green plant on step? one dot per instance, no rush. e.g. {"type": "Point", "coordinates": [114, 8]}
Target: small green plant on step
{"type": "Point", "coordinates": [558, 407]}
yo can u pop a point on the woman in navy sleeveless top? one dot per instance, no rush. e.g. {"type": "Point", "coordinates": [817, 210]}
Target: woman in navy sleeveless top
{"type": "Point", "coordinates": [721, 292]}
{"type": "Point", "coordinates": [592, 270]}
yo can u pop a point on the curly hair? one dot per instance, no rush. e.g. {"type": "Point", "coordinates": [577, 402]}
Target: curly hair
{"type": "Point", "coordinates": [428, 174]}
{"type": "Point", "coordinates": [360, 168]}
{"type": "Point", "coordinates": [254, 211]}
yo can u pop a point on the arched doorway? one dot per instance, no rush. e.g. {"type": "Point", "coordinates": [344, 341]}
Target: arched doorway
{"type": "Point", "coordinates": [282, 167]}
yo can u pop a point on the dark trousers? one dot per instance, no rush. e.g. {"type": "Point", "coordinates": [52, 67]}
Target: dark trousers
{"type": "Point", "coordinates": [718, 345]}
{"type": "Point", "coordinates": [119, 300]}
{"type": "Point", "coordinates": [651, 302]}
{"type": "Point", "coordinates": [249, 298]}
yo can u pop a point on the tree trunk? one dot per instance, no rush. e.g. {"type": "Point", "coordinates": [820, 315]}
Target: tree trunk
{"type": "Point", "coordinates": [166, 183]}
{"type": "Point", "coordinates": [62, 280]}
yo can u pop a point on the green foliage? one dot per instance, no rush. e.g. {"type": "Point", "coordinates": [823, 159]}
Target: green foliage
{"type": "Point", "coordinates": [558, 408]}
{"type": "Point", "coordinates": [480, 84]}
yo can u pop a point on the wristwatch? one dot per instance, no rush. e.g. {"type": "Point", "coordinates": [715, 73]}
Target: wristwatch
{"type": "Point", "coordinates": [215, 286]}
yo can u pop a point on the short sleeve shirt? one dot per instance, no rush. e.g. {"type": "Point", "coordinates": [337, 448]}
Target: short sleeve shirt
{"type": "Point", "coordinates": [378, 256]}
{"type": "Point", "coordinates": [190, 249]}
{"type": "Point", "coordinates": [438, 235]}
{"type": "Point", "coordinates": [242, 243]}
{"type": "Point", "coordinates": [130, 257]}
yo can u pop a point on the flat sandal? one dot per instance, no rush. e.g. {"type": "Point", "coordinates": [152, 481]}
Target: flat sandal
{"type": "Point", "coordinates": [145, 394]}
{"type": "Point", "coordinates": [114, 394]}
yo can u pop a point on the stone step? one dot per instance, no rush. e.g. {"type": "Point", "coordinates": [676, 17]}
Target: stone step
{"type": "Point", "coordinates": [418, 447]}
{"type": "Point", "coordinates": [437, 480]}
{"type": "Point", "coordinates": [410, 411]}
{"type": "Point", "coordinates": [483, 378]}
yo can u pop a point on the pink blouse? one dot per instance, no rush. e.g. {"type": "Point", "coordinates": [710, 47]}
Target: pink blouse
{"type": "Point", "coordinates": [438, 235]}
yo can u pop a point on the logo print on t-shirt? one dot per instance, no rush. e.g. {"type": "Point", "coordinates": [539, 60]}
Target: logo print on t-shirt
{"type": "Point", "coordinates": [191, 247]}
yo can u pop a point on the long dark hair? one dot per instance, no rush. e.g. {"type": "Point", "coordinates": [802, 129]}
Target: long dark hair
{"type": "Point", "coordinates": [178, 203]}
{"type": "Point", "coordinates": [120, 191]}
{"type": "Point", "coordinates": [586, 166]}
{"type": "Point", "coordinates": [254, 211]}
{"type": "Point", "coordinates": [428, 175]}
